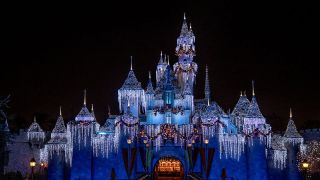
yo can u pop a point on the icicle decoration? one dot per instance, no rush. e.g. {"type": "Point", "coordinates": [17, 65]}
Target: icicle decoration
{"type": "Point", "coordinates": [158, 138]}
{"type": "Point", "coordinates": [231, 145]}
{"type": "Point", "coordinates": [102, 145]}
{"type": "Point", "coordinates": [279, 158]}
{"type": "Point", "coordinates": [81, 133]}
{"type": "Point", "coordinates": [35, 132]}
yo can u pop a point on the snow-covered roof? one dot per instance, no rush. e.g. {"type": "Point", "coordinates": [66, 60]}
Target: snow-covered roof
{"type": "Point", "coordinates": [291, 131]}
{"type": "Point", "coordinates": [84, 115]}
{"type": "Point", "coordinates": [131, 82]}
{"type": "Point", "coordinates": [241, 107]}
{"type": "Point", "coordinates": [254, 110]}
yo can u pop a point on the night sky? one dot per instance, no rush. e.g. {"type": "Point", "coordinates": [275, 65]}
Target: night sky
{"type": "Point", "coordinates": [52, 52]}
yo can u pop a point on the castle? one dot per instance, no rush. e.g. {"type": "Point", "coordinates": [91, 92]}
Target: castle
{"type": "Point", "coordinates": [164, 131]}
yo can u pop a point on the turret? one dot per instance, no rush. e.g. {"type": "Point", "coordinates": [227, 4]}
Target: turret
{"type": "Point", "coordinates": [149, 93]}
{"type": "Point", "coordinates": [161, 67]}
{"type": "Point", "coordinates": [185, 69]}
{"type": "Point", "coordinates": [131, 92]}
{"type": "Point", "coordinates": [240, 110]}
{"type": "Point", "coordinates": [58, 150]}
{"type": "Point", "coordinates": [82, 129]}
{"type": "Point", "coordinates": [35, 133]}
{"type": "Point", "coordinates": [207, 86]}
{"type": "Point", "coordinates": [292, 140]}
{"type": "Point", "coordinates": [259, 137]}
{"type": "Point", "coordinates": [168, 91]}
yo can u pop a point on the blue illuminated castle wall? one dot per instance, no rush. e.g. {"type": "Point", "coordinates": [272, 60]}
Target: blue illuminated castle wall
{"type": "Point", "coordinates": [203, 137]}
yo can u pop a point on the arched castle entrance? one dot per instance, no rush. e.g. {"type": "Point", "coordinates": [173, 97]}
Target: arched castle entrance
{"type": "Point", "coordinates": [169, 154]}
{"type": "Point", "coordinates": [168, 168]}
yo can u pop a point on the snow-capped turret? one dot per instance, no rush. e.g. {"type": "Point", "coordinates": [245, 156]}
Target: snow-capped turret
{"type": "Point", "coordinates": [291, 134]}
{"type": "Point", "coordinates": [185, 68]}
{"type": "Point", "coordinates": [84, 115]}
{"type": "Point", "coordinates": [254, 116]}
{"type": "Point", "coordinates": [293, 141]}
{"type": "Point", "coordinates": [59, 130]}
{"type": "Point", "coordinates": [207, 86]}
{"type": "Point", "coordinates": [149, 86]}
{"type": "Point", "coordinates": [241, 107]}
{"type": "Point", "coordinates": [132, 92]}
{"type": "Point", "coordinates": [35, 132]}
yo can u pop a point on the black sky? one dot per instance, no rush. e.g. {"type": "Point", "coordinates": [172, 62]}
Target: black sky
{"type": "Point", "coordinates": [51, 52]}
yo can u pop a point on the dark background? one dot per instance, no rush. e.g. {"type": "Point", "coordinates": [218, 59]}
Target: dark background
{"type": "Point", "coordinates": [52, 52]}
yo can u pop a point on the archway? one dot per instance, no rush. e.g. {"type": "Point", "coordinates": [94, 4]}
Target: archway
{"type": "Point", "coordinates": [168, 168]}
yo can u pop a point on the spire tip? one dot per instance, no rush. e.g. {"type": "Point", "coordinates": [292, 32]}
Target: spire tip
{"type": "Point", "coordinates": [253, 94]}
{"type": "Point", "coordinates": [85, 97]}
{"type": "Point", "coordinates": [290, 113]}
{"type": "Point", "coordinates": [131, 63]}
{"type": "Point", "coordinates": [60, 111]}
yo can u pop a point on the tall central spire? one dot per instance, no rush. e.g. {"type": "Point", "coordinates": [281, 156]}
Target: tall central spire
{"type": "Point", "coordinates": [184, 28]}
{"type": "Point", "coordinates": [85, 97]}
{"type": "Point", "coordinates": [207, 86]}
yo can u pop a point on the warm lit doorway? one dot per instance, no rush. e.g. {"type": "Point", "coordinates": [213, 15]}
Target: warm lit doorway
{"type": "Point", "coordinates": [168, 168]}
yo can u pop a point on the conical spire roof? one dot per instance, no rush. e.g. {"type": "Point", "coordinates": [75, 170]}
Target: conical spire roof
{"type": "Point", "coordinates": [131, 82]}
{"type": "Point", "coordinates": [254, 110]}
{"type": "Point", "coordinates": [241, 107]}
{"type": "Point", "coordinates": [291, 131]}
{"type": "Point", "coordinates": [161, 59]}
{"type": "Point", "coordinates": [190, 31]}
{"type": "Point", "coordinates": [92, 112]}
{"type": "Point", "coordinates": [35, 127]}
{"type": "Point", "coordinates": [149, 86]}
{"type": "Point", "coordinates": [35, 132]}
{"type": "Point", "coordinates": [84, 114]}
{"type": "Point", "coordinates": [184, 28]}
{"type": "Point", "coordinates": [60, 126]}
{"type": "Point", "coordinates": [207, 85]}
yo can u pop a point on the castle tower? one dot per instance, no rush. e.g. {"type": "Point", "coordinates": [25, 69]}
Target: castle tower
{"type": "Point", "coordinates": [59, 150]}
{"type": "Point", "coordinates": [292, 140]}
{"type": "Point", "coordinates": [185, 69]}
{"type": "Point", "coordinates": [207, 86]}
{"type": "Point", "coordinates": [149, 93]}
{"type": "Point", "coordinates": [240, 110]}
{"type": "Point", "coordinates": [35, 133]}
{"type": "Point", "coordinates": [161, 67]}
{"type": "Point", "coordinates": [258, 132]}
{"type": "Point", "coordinates": [131, 93]}
{"type": "Point", "coordinates": [82, 130]}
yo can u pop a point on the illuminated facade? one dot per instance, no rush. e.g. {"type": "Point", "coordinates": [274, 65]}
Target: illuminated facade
{"type": "Point", "coordinates": [163, 129]}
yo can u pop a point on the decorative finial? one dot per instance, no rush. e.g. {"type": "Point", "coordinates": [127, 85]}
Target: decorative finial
{"type": "Point", "coordinates": [208, 102]}
{"type": "Point", "coordinates": [128, 103]}
{"type": "Point", "coordinates": [85, 97]}
{"type": "Point", "coordinates": [34, 119]}
{"type": "Point", "coordinates": [150, 75]}
{"type": "Point", "coordinates": [290, 113]}
{"type": "Point", "coordinates": [240, 93]}
{"type": "Point", "coordinates": [160, 53]}
{"type": "Point", "coordinates": [109, 111]}
{"type": "Point", "coordinates": [184, 16]}
{"type": "Point", "coordinates": [60, 112]}
{"type": "Point", "coordinates": [253, 94]}
{"type": "Point", "coordinates": [244, 93]}
{"type": "Point", "coordinates": [190, 27]}
{"type": "Point", "coordinates": [91, 107]}
{"type": "Point", "coordinates": [131, 63]}
{"type": "Point", "coordinates": [168, 60]}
